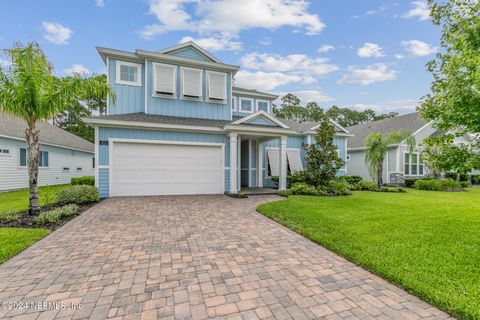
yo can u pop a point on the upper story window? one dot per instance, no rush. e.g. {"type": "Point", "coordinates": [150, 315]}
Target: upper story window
{"type": "Point", "coordinates": [129, 73]}
{"type": "Point", "coordinates": [164, 80]}
{"type": "Point", "coordinates": [191, 83]}
{"type": "Point", "coordinates": [234, 103]}
{"type": "Point", "coordinates": [263, 105]}
{"type": "Point", "coordinates": [246, 105]}
{"type": "Point", "coordinates": [217, 86]}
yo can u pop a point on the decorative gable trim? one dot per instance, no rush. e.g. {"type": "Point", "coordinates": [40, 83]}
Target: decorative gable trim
{"type": "Point", "coordinates": [191, 44]}
{"type": "Point", "coordinates": [263, 114]}
{"type": "Point", "coordinates": [314, 128]}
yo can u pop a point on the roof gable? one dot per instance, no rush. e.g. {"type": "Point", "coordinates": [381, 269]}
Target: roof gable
{"type": "Point", "coordinates": [261, 118]}
{"type": "Point", "coordinates": [190, 50]}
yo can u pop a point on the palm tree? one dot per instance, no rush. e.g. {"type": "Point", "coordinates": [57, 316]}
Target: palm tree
{"type": "Point", "coordinates": [376, 148]}
{"type": "Point", "coordinates": [30, 90]}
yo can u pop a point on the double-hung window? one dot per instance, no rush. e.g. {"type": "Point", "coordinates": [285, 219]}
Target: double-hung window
{"type": "Point", "coordinates": [263, 105]}
{"type": "Point", "coordinates": [129, 73]}
{"type": "Point", "coordinates": [192, 83]}
{"type": "Point", "coordinates": [4, 152]}
{"type": "Point", "coordinates": [164, 80]}
{"type": "Point", "coordinates": [217, 86]}
{"type": "Point", "coordinates": [246, 105]}
{"type": "Point", "coordinates": [23, 157]}
{"type": "Point", "coordinates": [413, 164]}
{"type": "Point", "coordinates": [42, 158]}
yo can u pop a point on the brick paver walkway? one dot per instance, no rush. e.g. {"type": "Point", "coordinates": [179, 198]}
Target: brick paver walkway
{"type": "Point", "coordinates": [193, 258]}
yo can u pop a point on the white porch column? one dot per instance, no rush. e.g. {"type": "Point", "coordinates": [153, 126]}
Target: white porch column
{"type": "Point", "coordinates": [239, 163]}
{"type": "Point", "coordinates": [233, 162]}
{"type": "Point", "coordinates": [282, 183]}
{"type": "Point", "coordinates": [259, 164]}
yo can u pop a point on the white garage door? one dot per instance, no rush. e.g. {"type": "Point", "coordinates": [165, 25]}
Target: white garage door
{"type": "Point", "coordinates": [166, 169]}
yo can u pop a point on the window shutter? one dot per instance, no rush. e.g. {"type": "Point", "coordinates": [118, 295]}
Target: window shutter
{"type": "Point", "coordinates": [164, 79]}
{"type": "Point", "coordinates": [294, 160]}
{"type": "Point", "coordinates": [192, 82]}
{"type": "Point", "coordinates": [217, 86]}
{"type": "Point", "coordinates": [273, 161]}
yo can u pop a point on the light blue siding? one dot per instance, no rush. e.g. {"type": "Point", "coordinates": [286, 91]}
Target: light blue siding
{"type": "Point", "coordinates": [130, 99]}
{"type": "Point", "coordinates": [103, 182]}
{"type": "Point", "coordinates": [190, 53]}
{"type": "Point", "coordinates": [177, 107]}
{"type": "Point", "coordinates": [243, 114]}
{"type": "Point", "coordinates": [261, 121]}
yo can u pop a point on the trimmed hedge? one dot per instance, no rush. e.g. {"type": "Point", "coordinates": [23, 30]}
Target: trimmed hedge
{"type": "Point", "coordinates": [85, 180]}
{"type": "Point", "coordinates": [58, 214]}
{"type": "Point", "coordinates": [10, 216]}
{"type": "Point", "coordinates": [351, 179]}
{"type": "Point", "coordinates": [78, 195]}
{"type": "Point", "coordinates": [438, 185]}
{"type": "Point", "coordinates": [475, 179]}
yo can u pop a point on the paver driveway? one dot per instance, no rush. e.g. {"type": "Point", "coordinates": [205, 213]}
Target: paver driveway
{"type": "Point", "coordinates": [194, 257]}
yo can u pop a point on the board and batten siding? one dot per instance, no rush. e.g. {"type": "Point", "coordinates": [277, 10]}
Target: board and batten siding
{"type": "Point", "coordinates": [130, 99]}
{"type": "Point", "coordinates": [189, 53]}
{"type": "Point", "coordinates": [178, 107]}
{"type": "Point", "coordinates": [12, 176]}
{"type": "Point", "coordinates": [106, 133]}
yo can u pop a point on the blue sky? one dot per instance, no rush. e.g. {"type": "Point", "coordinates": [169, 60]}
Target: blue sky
{"type": "Point", "coordinates": [345, 52]}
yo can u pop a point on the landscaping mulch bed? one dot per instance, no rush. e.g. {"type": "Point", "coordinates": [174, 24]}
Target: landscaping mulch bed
{"type": "Point", "coordinates": [28, 221]}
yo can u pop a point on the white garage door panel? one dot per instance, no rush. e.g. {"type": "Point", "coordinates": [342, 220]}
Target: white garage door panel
{"type": "Point", "coordinates": [163, 169]}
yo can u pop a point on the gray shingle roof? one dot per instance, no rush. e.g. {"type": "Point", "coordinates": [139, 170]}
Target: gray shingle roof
{"type": "Point", "coordinates": [15, 127]}
{"type": "Point", "coordinates": [409, 122]}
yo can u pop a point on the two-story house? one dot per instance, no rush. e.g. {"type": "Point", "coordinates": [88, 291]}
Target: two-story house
{"type": "Point", "coordinates": [180, 126]}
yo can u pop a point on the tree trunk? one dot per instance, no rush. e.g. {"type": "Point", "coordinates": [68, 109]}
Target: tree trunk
{"type": "Point", "coordinates": [380, 174]}
{"type": "Point", "coordinates": [33, 150]}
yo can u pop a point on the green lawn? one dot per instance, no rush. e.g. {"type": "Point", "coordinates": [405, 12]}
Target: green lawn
{"type": "Point", "coordinates": [14, 240]}
{"type": "Point", "coordinates": [426, 242]}
{"type": "Point", "coordinates": [18, 200]}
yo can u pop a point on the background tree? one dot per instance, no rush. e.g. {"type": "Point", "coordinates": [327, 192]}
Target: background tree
{"type": "Point", "coordinates": [28, 89]}
{"type": "Point", "coordinates": [442, 155]}
{"type": "Point", "coordinates": [71, 118]}
{"type": "Point", "coordinates": [454, 101]}
{"type": "Point", "coordinates": [376, 149]}
{"type": "Point", "coordinates": [321, 157]}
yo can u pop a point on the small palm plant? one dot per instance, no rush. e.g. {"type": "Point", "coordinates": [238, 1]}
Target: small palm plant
{"type": "Point", "coordinates": [30, 90]}
{"type": "Point", "coordinates": [376, 148]}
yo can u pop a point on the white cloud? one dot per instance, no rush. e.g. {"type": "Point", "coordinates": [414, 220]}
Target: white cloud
{"type": "Point", "coordinates": [230, 16]}
{"type": "Point", "coordinates": [268, 80]}
{"type": "Point", "coordinates": [294, 63]}
{"type": "Point", "coordinates": [100, 3]}
{"type": "Point", "coordinates": [56, 33]}
{"type": "Point", "coordinates": [324, 48]}
{"type": "Point", "coordinates": [378, 72]}
{"type": "Point", "coordinates": [76, 68]}
{"type": "Point", "coordinates": [5, 63]}
{"type": "Point", "coordinates": [312, 95]}
{"type": "Point", "coordinates": [372, 12]}
{"type": "Point", "coordinates": [399, 56]}
{"type": "Point", "coordinates": [215, 43]}
{"type": "Point", "coordinates": [400, 106]}
{"type": "Point", "coordinates": [418, 48]}
{"type": "Point", "coordinates": [370, 50]}
{"type": "Point", "coordinates": [266, 41]}
{"type": "Point", "coordinates": [419, 10]}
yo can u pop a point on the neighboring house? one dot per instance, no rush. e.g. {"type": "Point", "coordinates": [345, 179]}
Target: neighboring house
{"type": "Point", "coordinates": [399, 163]}
{"type": "Point", "coordinates": [62, 155]}
{"type": "Point", "coordinates": [180, 126]}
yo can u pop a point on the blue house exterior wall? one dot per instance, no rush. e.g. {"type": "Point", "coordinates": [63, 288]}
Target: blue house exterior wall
{"type": "Point", "coordinates": [237, 112]}
{"type": "Point", "coordinates": [178, 107]}
{"type": "Point", "coordinates": [190, 53]}
{"type": "Point", "coordinates": [130, 99]}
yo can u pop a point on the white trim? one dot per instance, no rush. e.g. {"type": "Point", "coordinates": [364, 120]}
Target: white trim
{"type": "Point", "coordinates": [146, 87]}
{"type": "Point", "coordinates": [269, 106]}
{"type": "Point", "coordinates": [134, 124]}
{"type": "Point", "coordinates": [154, 78]}
{"type": "Point", "coordinates": [260, 164]}
{"type": "Point", "coordinates": [189, 44]}
{"type": "Point", "coordinates": [182, 84]}
{"type": "Point", "coordinates": [282, 156]}
{"type": "Point", "coordinates": [231, 97]}
{"type": "Point", "coordinates": [97, 154]}
{"type": "Point", "coordinates": [249, 163]}
{"type": "Point", "coordinates": [246, 129]}
{"type": "Point", "coordinates": [118, 80]}
{"type": "Point", "coordinates": [418, 153]}
{"type": "Point", "coordinates": [239, 163]}
{"type": "Point", "coordinates": [258, 114]}
{"type": "Point", "coordinates": [233, 160]}
{"type": "Point", "coordinates": [234, 104]}
{"type": "Point", "coordinates": [241, 91]}
{"type": "Point", "coordinates": [240, 99]}
{"type": "Point", "coordinates": [48, 144]}
{"type": "Point", "coordinates": [332, 122]}
{"type": "Point", "coordinates": [111, 142]}
{"type": "Point", "coordinates": [309, 139]}
{"type": "Point", "coordinates": [108, 81]}
{"type": "Point", "coordinates": [421, 128]}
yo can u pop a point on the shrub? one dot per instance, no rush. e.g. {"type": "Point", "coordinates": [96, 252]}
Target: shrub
{"type": "Point", "coordinates": [410, 182]}
{"type": "Point", "coordinates": [351, 179]}
{"type": "Point", "coordinates": [301, 188]}
{"type": "Point", "coordinates": [438, 185]}
{"type": "Point", "coordinates": [78, 195]}
{"type": "Point", "coordinates": [337, 188]}
{"type": "Point", "coordinates": [391, 189]}
{"type": "Point", "coordinates": [465, 184]}
{"type": "Point", "coordinates": [86, 180]}
{"type": "Point", "coordinates": [285, 193]}
{"type": "Point", "coordinates": [364, 185]}
{"type": "Point", "coordinates": [56, 215]}
{"type": "Point", "coordinates": [6, 217]}
{"type": "Point", "coordinates": [475, 179]}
